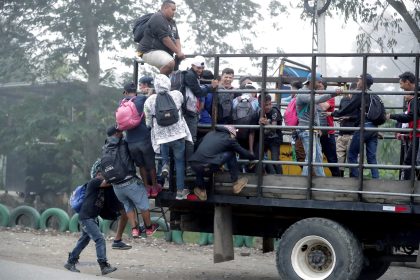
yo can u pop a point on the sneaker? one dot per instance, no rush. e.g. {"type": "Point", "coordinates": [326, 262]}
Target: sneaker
{"type": "Point", "coordinates": [71, 266]}
{"type": "Point", "coordinates": [135, 232]}
{"type": "Point", "coordinates": [239, 184]}
{"type": "Point", "coordinates": [150, 231]}
{"type": "Point", "coordinates": [148, 190]}
{"type": "Point", "coordinates": [180, 195]}
{"type": "Point", "coordinates": [119, 245]}
{"type": "Point", "coordinates": [165, 170]}
{"type": "Point", "coordinates": [155, 190]}
{"type": "Point", "coordinates": [106, 268]}
{"type": "Point", "coordinates": [200, 193]}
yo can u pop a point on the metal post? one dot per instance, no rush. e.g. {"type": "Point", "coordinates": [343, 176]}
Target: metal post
{"type": "Point", "coordinates": [362, 127]}
{"type": "Point", "coordinates": [415, 140]}
{"type": "Point", "coordinates": [135, 72]}
{"type": "Point", "coordinates": [311, 128]}
{"type": "Point", "coordinates": [215, 96]}
{"type": "Point", "coordinates": [261, 129]}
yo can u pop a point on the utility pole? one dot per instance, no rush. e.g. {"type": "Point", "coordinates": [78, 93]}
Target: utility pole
{"type": "Point", "coordinates": [318, 36]}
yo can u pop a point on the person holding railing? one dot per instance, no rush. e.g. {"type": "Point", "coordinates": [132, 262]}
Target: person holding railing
{"type": "Point", "coordinates": [370, 137]}
{"type": "Point", "coordinates": [303, 101]}
{"type": "Point", "coordinates": [407, 83]}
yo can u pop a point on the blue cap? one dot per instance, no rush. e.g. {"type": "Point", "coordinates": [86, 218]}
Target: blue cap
{"type": "Point", "coordinates": [318, 77]}
{"type": "Point", "coordinates": [146, 80]}
{"type": "Point", "coordinates": [369, 80]}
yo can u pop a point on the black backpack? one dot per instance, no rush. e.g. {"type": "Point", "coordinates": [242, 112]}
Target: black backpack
{"type": "Point", "coordinates": [140, 26]}
{"type": "Point", "coordinates": [376, 111]}
{"type": "Point", "coordinates": [166, 112]}
{"type": "Point", "coordinates": [115, 161]}
{"type": "Point", "coordinates": [224, 106]}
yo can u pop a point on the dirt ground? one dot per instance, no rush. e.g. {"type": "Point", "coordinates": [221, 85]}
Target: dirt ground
{"type": "Point", "coordinates": [151, 258]}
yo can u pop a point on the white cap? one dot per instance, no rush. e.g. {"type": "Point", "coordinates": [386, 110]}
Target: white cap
{"type": "Point", "coordinates": [199, 61]}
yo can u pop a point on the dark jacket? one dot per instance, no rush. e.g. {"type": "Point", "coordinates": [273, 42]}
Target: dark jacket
{"type": "Point", "coordinates": [348, 122]}
{"type": "Point", "coordinates": [214, 144]}
{"type": "Point", "coordinates": [124, 154]}
{"type": "Point", "coordinates": [353, 108]}
{"type": "Point", "coordinates": [99, 202]}
{"type": "Point", "coordinates": [191, 80]}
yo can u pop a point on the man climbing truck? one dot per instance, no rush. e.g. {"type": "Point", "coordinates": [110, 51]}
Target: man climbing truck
{"type": "Point", "coordinates": [329, 227]}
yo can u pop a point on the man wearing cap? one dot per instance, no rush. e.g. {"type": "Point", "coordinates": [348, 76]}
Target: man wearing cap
{"type": "Point", "coordinates": [146, 85]}
{"type": "Point", "coordinates": [370, 137]}
{"type": "Point", "coordinates": [303, 101]}
{"type": "Point", "coordinates": [140, 144]}
{"type": "Point", "coordinates": [161, 40]}
{"type": "Point", "coordinates": [194, 91]}
{"type": "Point", "coordinates": [217, 148]}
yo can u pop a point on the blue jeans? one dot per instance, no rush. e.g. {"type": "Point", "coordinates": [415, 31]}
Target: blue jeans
{"type": "Point", "coordinates": [371, 142]}
{"type": "Point", "coordinates": [207, 169]}
{"type": "Point", "coordinates": [178, 148]}
{"type": "Point", "coordinates": [317, 153]}
{"type": "Point", "coordinates": [90, 230]}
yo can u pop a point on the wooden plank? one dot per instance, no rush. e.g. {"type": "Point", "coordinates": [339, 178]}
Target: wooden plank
{"type": "Point", "coordinates": [294, 187]}
{"type": "Point", "coordinates": [223, 239]}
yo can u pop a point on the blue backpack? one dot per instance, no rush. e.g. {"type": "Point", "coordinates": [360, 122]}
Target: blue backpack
{"type": "Point", "coordinates": [77, 197]}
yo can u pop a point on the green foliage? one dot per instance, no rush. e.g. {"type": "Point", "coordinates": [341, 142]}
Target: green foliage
{"type": "Point", "coordinates": [55, 120]}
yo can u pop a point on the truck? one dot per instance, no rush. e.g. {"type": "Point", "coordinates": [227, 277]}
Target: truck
{"type": "Point", "coordinates": [327, 227]}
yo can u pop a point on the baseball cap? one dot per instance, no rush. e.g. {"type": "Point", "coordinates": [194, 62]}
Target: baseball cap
{"type": "Point", "coordinates": [130, 87]}
{"type": "Point", "coordinates": [199, 61]}
{"type": "Point", "coordinates": [146, 80]}
{"type": "Point", "coordinates": [112, 130]}
{"type": "Point", "coordinates": [369, 79]}
{"type": "Point", "coordinates": [318, 77]}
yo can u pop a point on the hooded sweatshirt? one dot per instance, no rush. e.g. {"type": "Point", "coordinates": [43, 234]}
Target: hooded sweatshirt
{"type": "Point", "coordinates": [165, 134]}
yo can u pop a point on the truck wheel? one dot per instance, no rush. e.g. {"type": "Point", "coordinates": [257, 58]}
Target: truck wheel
{"type": "Point", "coordinates": [318, 248]}
{"type": "Point", "coordinates": [25, 215]}
{"type": "Point", "coordinates": [4, 216]}
{"type": "Point", "coordinates": [54, 215]}
{"type": "Point", "coordinates": [373, 266]}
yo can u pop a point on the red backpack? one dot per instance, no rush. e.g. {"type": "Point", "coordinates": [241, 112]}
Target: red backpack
{"type": "Point", "coordinates": [127, 116]}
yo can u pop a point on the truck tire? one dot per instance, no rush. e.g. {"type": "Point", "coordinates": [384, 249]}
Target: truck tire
{"type": "Point", "coordinates": [24, 211]}
{"type": "Point", "coordinates": [318, 248]}
{"type": "Point", "coordinates": [59, 214]}
{"type": "Point", "coordinates": [4, 216]}
{"type": "Point", "coordinates": [373, 266]}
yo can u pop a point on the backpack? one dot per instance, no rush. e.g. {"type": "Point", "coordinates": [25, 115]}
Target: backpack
{"type": "Point", "coordinates": [127, 116]}
{"type": "Point", "coordinates": [224, 105]}
{"type": "Point", "coordinates": [140, 26]}
{"type": "Point", "coordinates": [114, 167]}
{"type": "Point", "coordinates": [291, 116]}
{"type": "Point", "coordinates": [177, 80]}
{"type": "Point", "coordinates": [244, 114]}
{"type": "Point", "coordinates": [166, 112]}
{"type": "Point", "coordinates": [77, 197]}
{"type": "Point", "coordinates": [376, 112]}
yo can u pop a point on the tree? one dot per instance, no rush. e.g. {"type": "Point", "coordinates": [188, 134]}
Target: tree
{"type": "Point", "coordinates": [379, 14]}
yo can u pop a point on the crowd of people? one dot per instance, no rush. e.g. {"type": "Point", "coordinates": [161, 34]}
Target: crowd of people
{"type": "Point", "coordinates": [197, 150]}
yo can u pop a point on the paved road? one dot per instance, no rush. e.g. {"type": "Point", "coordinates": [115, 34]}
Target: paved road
{"type": "Point", "coordinates": [19, 271]}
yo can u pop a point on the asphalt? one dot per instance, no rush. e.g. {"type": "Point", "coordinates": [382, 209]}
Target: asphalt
{"type": "Point", "coordinates": [21, 271]}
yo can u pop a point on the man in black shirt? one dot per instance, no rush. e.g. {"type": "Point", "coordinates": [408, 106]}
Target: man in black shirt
{"type": "Point", "coordinates": [94, 205]}
{"type": "Point", "coordinates": [161, 40]}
